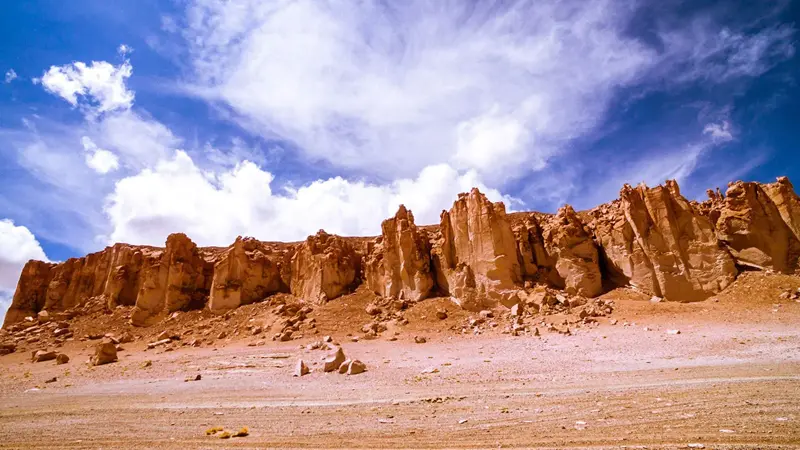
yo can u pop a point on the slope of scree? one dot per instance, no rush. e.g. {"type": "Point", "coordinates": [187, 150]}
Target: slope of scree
{"type": "Point", "coordinates": [651, 239]}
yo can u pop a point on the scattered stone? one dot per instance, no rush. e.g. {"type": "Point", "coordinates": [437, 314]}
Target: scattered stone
{"type": "Point", "coordinates": [286, 336]}
{"type": "Point", "coordinates": [614, 321]}
{"type": "Point", "coordinates": [673, 331]}
{"type": "Point", "coordinates": [104, 353]}
{"type": "Point", "coordinates": [242, 432]}
{"type": "Point", "coordinates": [344, 366]}
{"type": "Point", "coordinates": [62, 359]}
{"type": "Point", "coordinates": [147, 363]}
{"type": "Point", "coordinates": [225, 435]}
{"type": "Point", "coordinates": [7, 348]}
{"type": "Point", "coordinates": [373, 310]}
{"type": "Point", "coordinates": [301, 368]}
{"type": "Point", "coordinates": [441, 314]}
{"type": "Point", "coordinates": [655, 299]}
{"type": "Point", "coordinates": [695, 446]}
{"type": "Point", "coordinates": [327, 339]}
{"type": "Point", "coordinates": [256, 330]}
{"type": "Point", "coordinates": [43, 316]}
{"type": "Point", "coordinates": [213, 430]}
{"type": "Point", "coordinates": [43, 355]}
{"type": "Point", "coordinates": [486, 314]}
{"type": "Point", "coordinates": [126, 338]}
{"type": "Point", "coordinates": [335, 360]}
{"type": "Point", "coordinates": [726, 431]}
{"type": "Point", "coordinates": [51, 380]}
{"type": "Point", "coordinates": [197, 377]}
{"type": "Point", "coordinates": [420, 339]}
{"type": "Point", "coordinates": [163, 336]}
{"type": "Point", "coordinates": [463, 421]}
{"type": "Point", "coordinates": [430, 370]}
{"type": "Point", "coordinates": [222, 335]}
{"type": "Point", "coordinates": [356, 367]}
{"type": "Point", "coordinates": [515, 310]}
{"type": "Point", "coordinates": [158, 343]}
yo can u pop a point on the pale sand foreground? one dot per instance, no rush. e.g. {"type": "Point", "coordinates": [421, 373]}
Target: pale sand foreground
{"type": "Point", "coordinates": [610, 387]}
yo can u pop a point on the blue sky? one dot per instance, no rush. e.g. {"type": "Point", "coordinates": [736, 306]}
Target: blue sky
{"type": "Point", "coordinates": [126, 121]}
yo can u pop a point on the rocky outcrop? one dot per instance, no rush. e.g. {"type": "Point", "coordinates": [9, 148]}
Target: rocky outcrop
{"type": "Point", "coordinates": [324, 267]}
{"type": "Point", "coordinates": [656, 241]}
{"type": "Point", "coordinates": [752, 226]}
{"type": "Point", "coordinates": [399, 261]}
{"type": "Point", "coordinates": [247, 272]}
{"type": "Point", "coordinates": [571, 251]}
{"type": "Point", "coordinates": [31, 293]}
{"type": "Point", "coordinates": [651, 238]}
{"type": "Point", "coordinates": [475, 256]}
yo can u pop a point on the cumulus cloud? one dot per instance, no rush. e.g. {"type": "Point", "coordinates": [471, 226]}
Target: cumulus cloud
{"type": "Point", "coordinates": [102, 161]}
{"type": "Point", "coordinates": [99, 85]}
{"type": "Point", "coordinates": [17, 246]}
{"type": "Point", "coordinates": [10, 76]}
{"type": "Point", "coordinates": [215, 207]}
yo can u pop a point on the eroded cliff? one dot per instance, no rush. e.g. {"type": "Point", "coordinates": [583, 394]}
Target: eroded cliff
{"type": "Point", "coordinates": [652, 239]}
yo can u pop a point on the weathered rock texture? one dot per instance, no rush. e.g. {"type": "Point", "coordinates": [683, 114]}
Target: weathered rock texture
{"type": "Point", "coordinates": [250, 270]}
{"type": "Point", "coordinates": [399, 262]}
{"type": "Point", "coordinates": [651, 238]}
{"type": "Point", "coordinates": [476, 254]}
{"type": "Point", "coordinates": [657, 241]}
{"type": "Point", "coordinates": [324, 267]}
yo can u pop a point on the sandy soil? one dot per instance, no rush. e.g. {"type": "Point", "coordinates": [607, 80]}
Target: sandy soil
{"type": "Point", "coordinates": [730, 379]}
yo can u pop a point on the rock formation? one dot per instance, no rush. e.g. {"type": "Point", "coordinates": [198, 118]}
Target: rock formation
{"type": "Point", "coordinates": [247, 272]}
{"type": "Point", "coordinates": [656, 241]}
{"type": "Point", "coordinates": [475, 256]}
{"type": "Point", "coordinates": [399, 262]}
{"type": "Point", "coordinates": [324, 267]}
{"type": "Point", "coordinates": [652, 239]}
{"type": "Point", "coordinates": [757, 232]}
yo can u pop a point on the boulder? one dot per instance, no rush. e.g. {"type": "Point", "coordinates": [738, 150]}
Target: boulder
{"type": "Point", "coordinates": [398, 263]}
{"type": "Point", "coordinates": [104, 352]}
{"type": "Point", "coordinates": [355, 367]}
{"type": "Point", "coordinates": [334, 361]}
{"type": "Point", "coordinates": [43, 355]}
{"type": "Point", "coordinates": [324, 267]}
{"type": "Point", "coordinates": [62, 359]}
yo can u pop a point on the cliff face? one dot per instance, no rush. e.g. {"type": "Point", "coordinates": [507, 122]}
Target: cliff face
{"type": "Point", "coordinates": [399, 261]}
{"type": "Point", "coordinates": [652, 239]}
{"type": "Point", "coordinates": [657, 241]}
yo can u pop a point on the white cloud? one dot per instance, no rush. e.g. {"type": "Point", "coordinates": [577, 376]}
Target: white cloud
{"type": "Point", "coordinates": [102, 161]}
{"type": "Point", "coordinates": [719, 132]}
{"type": "Point", "coordinates": [391, 90]}
{"type": "Point", "coordinates": [100, 83]}
{"type": "Point", "coordinates": [10, 76]}
{"type": "Point", "coordinates": [138, 140]}
{"type": "Point", "coordinates": [124, 50]}
{"type": "Point", "coordinates": [213, 208]}
{"type": "Point", "coordinates": [17, 246]}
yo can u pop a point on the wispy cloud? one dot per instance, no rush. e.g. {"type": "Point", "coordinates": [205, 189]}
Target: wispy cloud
{"type": "Point", "coordinates": [10, 76]}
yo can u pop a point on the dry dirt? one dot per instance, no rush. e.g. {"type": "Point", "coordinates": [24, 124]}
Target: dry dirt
{"type": "Point", "coordinates": [730, 379]}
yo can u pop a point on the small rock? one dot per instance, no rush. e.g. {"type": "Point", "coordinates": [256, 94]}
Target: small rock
{"type": "Point", "coordinates": [441, 314]}
{"type": "Point", "coordinates": [157, 343]}
{"type": "Point", "coordinates": [222, 335]}
{"type": "Point", "coordinates": [486, 314]}
{"type": "Point", "coordinates": [104, 353]}
{"type": "Point", "coordinates": [655, 299]}
{"type": "Point", "coordinates": [256, 330]}
{"type": "Point", "coordinates": [301, 368]}
{"type": "Point", "coordinates": [462, 421]}
{"type": "Point", "coordinates": [515, 310]}
{"type": "Point", "coordinates": [420, 339]}
{"type": "Point", "coordinates": [286, 336]}
{"type": "Point", "coordinates": [43, 316]}
{"type": "Point", "coordinates": [345, 365]}
{"type": "Point", "coordinates": [51, 380]}
{"type": "Point", "coordinates": [614, 321]}
{"type": "Point", "coordinates": [356, 367]}
{"type": "Point", "coordinates": [673, 331]}
{"type": "Point", "coordinates": [43, 355]}
{"type": "Point", "coordinates": [726, 431]}
{"type": "Point", "coordinates": [147, 363]}
{"type": "Point", "coordinates": [242, 432]}
{"type": "Point", "coordinates": [62, 359]}
{"type": "Point", "coordinates": [193, 378]}
{"type": "Point", "coordinates": [373, 310]}
{"type": "Point", "coordinates": [163, 336]}
{"type": "Point", "coordinates": [695, 445]}
{"type": "Point", "coordinates": [327, 339]}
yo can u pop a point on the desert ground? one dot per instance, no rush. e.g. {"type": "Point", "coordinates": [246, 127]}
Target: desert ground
{"type": "Point", "coordinates": [729, 379]}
